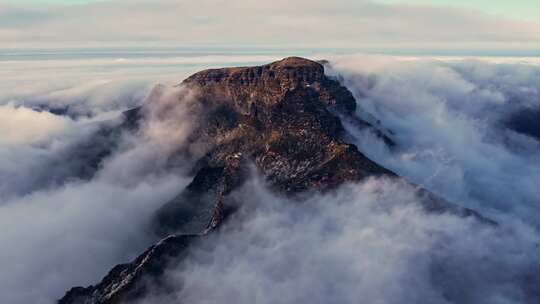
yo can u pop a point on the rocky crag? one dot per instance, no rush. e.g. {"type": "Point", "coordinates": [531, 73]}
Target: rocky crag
{"type": "Point", "coordinates": [283, 120]}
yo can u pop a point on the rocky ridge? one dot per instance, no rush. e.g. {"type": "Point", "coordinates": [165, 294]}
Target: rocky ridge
{"type": "Point", "coordinates": [282, 120]}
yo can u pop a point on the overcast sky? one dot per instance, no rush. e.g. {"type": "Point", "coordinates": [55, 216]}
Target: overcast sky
{"type": "Point", "coordinates": [391, 24]}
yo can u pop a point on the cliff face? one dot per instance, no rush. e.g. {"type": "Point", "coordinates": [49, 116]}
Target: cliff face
{"type": "Point", "coordinates": [262, 87]}
{"type": "Point", "coordinates": [283, 119]}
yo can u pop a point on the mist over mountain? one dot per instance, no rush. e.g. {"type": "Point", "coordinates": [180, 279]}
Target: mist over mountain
{"type": "Point", "coordinates": [360, 178]}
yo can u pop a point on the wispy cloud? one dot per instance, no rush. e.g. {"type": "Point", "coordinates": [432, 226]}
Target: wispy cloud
{"type": "Point", "coordinates": [342, 246]}
{"type": "Point", "coordinates": [449, 119]}
{"type": "Point", "coordinates": [358, 244]}
{"type": "Point", "coordinates": [60, 228]}
{"type": "Point", "coordinates": [279, 23]}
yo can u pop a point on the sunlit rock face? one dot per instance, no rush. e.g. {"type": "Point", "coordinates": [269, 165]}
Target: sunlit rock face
{"type": "Point", "coordinates": [282, 121]}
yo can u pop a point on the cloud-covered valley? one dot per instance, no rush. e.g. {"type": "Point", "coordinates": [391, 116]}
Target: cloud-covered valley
{"type": "Point", "coordinates": [76, 199]}
{"type": "Point", "coordinates": [450, 120]}
{"type": "Point", "coordinates": [367, 242]}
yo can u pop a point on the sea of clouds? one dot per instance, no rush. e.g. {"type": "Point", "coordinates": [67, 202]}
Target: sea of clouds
{"type": "Point", "coordinates": [448, 118]}
{"type": "Point", "coordinates": [368, 242]}
{"type": "Point", "coordinates": [63, 222]}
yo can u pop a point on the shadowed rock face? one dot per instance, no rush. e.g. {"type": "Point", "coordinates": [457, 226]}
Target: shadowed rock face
{"type": "Point", "coordinates": [126, 282]}
{"type": "Point", "coordinates": [526, 121]}
{"type": "Point", "coordinates": [283, 120]}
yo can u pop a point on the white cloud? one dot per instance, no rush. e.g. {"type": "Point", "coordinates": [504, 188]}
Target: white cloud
{"type": "Point", "coordinates": [282, 23]}
{"type": "Point", "coordinates": [60, 229]}
{"type": "Point", "coordinates": [367, 241]}
{"type": "Point", "coordinates": [52, 240]}
{"type": "Point", "coordinates": [364, 243]}
{"type": "Point", "coordinates": [447, 116]}
{"type": "Point", "coordinates": [103, 81]}
{"type": "Point", "coordinates": [21, 125]}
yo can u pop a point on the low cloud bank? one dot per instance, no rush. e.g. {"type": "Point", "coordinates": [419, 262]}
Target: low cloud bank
{"type": "Point", "coordinates": [60, 227]}
{"type": "Point", "coordinates": [306, 23]}
{"type": "Point", "coordinates": [447, 117]}
{"type": "Point", "coordinates": [40, 149]}
{"type": "Point", "coordinates": [89, 83]}
{"type": "Point", "coordinates": [369, 242]}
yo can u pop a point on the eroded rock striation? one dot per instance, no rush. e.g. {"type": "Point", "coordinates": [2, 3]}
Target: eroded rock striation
{"type": "Point", "coordinates": [282, 120]}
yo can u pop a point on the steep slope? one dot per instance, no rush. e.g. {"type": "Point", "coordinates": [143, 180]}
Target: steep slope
{"type": "Point", "coordinates": [281, 120]}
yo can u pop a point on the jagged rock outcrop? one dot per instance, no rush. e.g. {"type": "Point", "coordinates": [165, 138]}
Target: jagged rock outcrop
{"type": "Point", "coordinates": [281, 117]}
{"type": "Point", "coordinates": [283, 120]}
{"type": "Point", "coordinates": [126, 282]}
{"type": "Point", "coordinates": [262, 87]}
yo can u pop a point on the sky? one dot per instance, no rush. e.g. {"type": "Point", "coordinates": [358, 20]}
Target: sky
{"type": "Point", "coordinates": [519, 9]}
{"type": "Point", "coordinates": [364, 24]}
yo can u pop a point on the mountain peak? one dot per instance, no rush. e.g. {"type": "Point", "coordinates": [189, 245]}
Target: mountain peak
{"type": "Point", "coordinates": [296, 62]}
{"type": "Point", "coordinates": [286, 64]}
{"type": "Point", "coordinates": [284, 120]}
{"type": "Point", "coordinates": [266, 85]}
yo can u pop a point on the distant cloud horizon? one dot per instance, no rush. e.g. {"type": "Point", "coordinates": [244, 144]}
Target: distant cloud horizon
{"type": "Point", "coordinates": [240, 23]}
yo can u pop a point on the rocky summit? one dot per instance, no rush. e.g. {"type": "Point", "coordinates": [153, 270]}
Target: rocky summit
{"type": "Point", "coordinates": [282, 120]}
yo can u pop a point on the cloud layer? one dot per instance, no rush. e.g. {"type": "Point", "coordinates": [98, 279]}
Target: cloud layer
{"type": "Point", "coordinates": [370, 242]}
{"type": "Point", "coordinates": [63, 221]}
{"type": "Point", "coordinates": [448, 119]}
{"type": "Point", "coordinates": [311, 23]}
{"type": "Point", "coordinates": [366, 242]}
